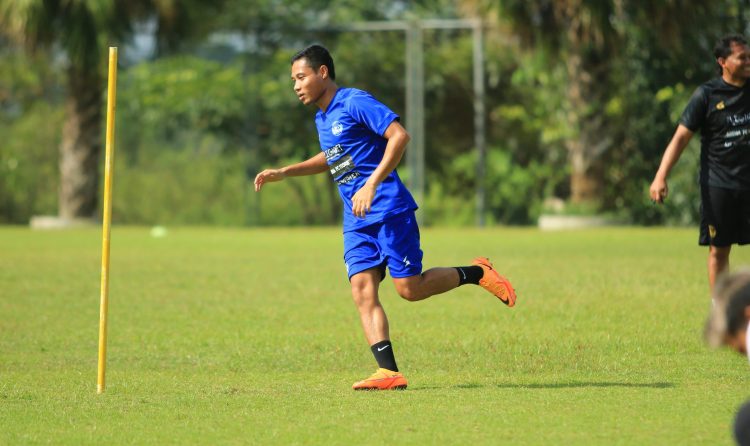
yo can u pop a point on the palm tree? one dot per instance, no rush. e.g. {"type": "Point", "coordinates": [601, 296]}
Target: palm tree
{"type": "Point", "coordinates": [81, 30]}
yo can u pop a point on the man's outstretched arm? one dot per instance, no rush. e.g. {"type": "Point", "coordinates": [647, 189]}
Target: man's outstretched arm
{"type": "Point", "coordinates": [316, 164]}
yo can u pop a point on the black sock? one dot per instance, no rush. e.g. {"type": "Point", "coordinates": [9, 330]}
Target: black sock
{"type": "Point", "coordinates": [383, 352]}
{"type": "Point", "coordinates": [469, 274]}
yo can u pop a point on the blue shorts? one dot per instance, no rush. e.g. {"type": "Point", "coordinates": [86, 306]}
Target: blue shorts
{"type": "Point", "coordinates": [393, 243]}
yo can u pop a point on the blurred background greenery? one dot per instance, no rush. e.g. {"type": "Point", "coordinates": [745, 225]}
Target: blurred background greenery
{"type": "Point", "coordinates": [582, 98]}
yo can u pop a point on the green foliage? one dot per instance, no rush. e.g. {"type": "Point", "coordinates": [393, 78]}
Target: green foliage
{"type": "Point", "coordinates": [172, 95]}
{"type": "Point", "coordinates": [28, 169]}
{"type": "Point", "coordinates": [77, 33]}
{"type": "Point", "coordinates": [514, 193]}
{"type": "Point", "coordinates": [201, 186]}
{"type": "Point", "coordinates": [632, 57]}
{"type": "Point", "coordinates": [30, 119]}
{"type": "Point", "coordinates": [298, 201]}
{"type": "Point", "coordinates": [206, 120]}
{"type": "Point", "coordinates": [26, 80]}
{"type": "Point", "coordinates": [180, 188]}
{"type": "Point", "coordinates": [652, 97]}
{"type": "Point", "coordinates": [187, 147]}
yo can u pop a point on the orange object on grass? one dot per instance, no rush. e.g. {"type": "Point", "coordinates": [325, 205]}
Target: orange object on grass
{"type": "Point", "coordinates": [496, 284]}
{"type": "Point", "coordinates": [382, 379]}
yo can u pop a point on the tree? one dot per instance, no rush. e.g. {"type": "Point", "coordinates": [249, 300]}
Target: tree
{"type": "Point", "coordinates": [80, 30]}
{"type": "Point", "coordinates": [588, 38]}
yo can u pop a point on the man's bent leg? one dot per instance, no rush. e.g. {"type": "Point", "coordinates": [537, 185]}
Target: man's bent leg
{"type": "Point", "coordinates": [399, 242]}
{"type": "Point", "coordinates": [429, 283]}
{"type": "Point", "coordinates": [718, 262]}
{"type": "Point", "coordinates": [439, 280]}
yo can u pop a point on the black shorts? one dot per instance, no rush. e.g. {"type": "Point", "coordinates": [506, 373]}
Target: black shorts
{"type": "Point", "coordinates": [725, 217]}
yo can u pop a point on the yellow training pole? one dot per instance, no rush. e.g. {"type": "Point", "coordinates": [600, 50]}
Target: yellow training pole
{"type": "Point", "coordinates": [107, 216]}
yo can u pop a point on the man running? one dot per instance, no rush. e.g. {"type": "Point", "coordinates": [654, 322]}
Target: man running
{"type": "Point", "coordinates": [361, 144]}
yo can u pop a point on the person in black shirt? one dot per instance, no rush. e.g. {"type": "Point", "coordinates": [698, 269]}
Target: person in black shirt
{"type": "Point", "coordinates": [720, 109]}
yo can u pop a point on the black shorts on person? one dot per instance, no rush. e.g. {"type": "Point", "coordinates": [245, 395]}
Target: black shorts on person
{"type": "Point", "coordinates": [725, 216]}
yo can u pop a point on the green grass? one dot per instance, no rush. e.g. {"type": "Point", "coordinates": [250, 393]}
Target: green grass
{"type": "Point", "coordinates": [223, 336]}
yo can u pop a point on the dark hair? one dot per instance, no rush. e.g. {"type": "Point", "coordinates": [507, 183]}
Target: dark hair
{"type": "Point", "coordinates": [317, 56]}
{"type": "Point", "coordinates": [736, 309]}
{"type": "Point", "coordinates": [723, 47]}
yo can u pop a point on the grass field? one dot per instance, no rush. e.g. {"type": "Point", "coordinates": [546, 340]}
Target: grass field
{"type": "Point", "coordinates": [222, 336]}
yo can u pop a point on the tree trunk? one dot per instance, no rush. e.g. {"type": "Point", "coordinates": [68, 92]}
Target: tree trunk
{"type": "Point", "coordinates": [588, 146]}
{"type": "Point", "coordinates": [586, 177]}
{"type": "Point", "coordinates": [81, 145]}
{"type": "Point", "coordinates": [587, 66]}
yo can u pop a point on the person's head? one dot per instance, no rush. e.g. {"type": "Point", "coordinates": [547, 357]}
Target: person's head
{"type": "Point", "coordinates": [312, 72]}
{"type": "Point", "coordinates": [728, 321]}
{"type": "Point", "coordinates": [733, 56]}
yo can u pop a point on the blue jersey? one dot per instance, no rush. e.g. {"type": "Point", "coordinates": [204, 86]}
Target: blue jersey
{"type": "Point", "coordinates": [351, 136]}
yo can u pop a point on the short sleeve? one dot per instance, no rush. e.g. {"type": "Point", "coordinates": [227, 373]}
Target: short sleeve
{"type": "Point", "coordinates": [370, 112]}
{"type": "Point", "coordinates": [695, 111]}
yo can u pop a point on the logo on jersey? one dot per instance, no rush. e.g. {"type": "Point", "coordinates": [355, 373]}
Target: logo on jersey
{"type": "Point", "coordinates": [711, 231]}
{"type": "Point", "coordinates": [738, 119]}
{"type": "Point", "coordinates": [720, 106]}
{"type": "Point", "coordinates": [348, 178]}
{"type": "Point", "coordinates": [342, 166]}
{"type": "Point", "coordinates": [337, 128]}
{"type": "Point", "coordinates": [334, 151]}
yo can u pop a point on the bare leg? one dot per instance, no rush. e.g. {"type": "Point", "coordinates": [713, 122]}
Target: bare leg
{"type": "Point", "coordinates": [365, 294]}
{"type": "Point", "coordinates": [429, 283]}
{"type": "Point", "coordinates": [718, 262]}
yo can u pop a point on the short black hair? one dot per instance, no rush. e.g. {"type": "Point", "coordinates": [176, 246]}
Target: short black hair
{"type": "Point", "coordinates": [723, 47]}
{"type": "Point", "coordinates": [317, 56]}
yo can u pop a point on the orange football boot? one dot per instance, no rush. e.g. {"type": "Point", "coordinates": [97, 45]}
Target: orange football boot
{"type": "Point", "coordinates": [496, 284]}
{"type": "Point", "coordinates": [382, 379]}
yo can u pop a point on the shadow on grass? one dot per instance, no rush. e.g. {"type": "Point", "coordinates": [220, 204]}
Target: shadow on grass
{"type": "Point", "coordinates": [658, 385]}
{"type": "Point", "coordinates": [572, 385]}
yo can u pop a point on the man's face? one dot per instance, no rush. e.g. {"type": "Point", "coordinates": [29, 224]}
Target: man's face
{"type": "Point", "coordinates": [309, 85]}
{"type": "Point", "coordinates": [737, 64]}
